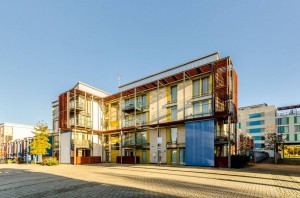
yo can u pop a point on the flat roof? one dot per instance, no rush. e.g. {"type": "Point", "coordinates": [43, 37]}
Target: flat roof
{"type": "Point", "coordinates": [288, 107]}
{"type": "Point", "coordinates": [171, 71]}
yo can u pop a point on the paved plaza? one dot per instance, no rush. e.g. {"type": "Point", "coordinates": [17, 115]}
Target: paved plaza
{"type": "Point", "coordinates": [114, 180]}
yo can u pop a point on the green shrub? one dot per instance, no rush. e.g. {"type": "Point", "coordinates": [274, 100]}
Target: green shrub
{"type": "Point", "coordinates": [51, 161]}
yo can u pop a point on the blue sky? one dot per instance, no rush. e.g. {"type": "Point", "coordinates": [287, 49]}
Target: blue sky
{"type": "Point", "coordinates": [47, 46]}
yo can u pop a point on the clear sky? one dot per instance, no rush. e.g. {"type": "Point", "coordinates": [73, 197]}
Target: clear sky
{"type": "Point", "coordinates": [47, 46]}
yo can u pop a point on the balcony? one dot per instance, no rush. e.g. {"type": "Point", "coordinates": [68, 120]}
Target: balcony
{"type": "Point", "coordinates": [79, 106]}
{"type": "Point", "coordinates": [221, 137]}
{"type": "Point", "coordinates": [129, 106]}
{"type": "Point", "coordinates": [82, 143]}
{"type": "Point", "coordinates": [131, 123]}
{"type": "Point", "coordinates": [81, 123]}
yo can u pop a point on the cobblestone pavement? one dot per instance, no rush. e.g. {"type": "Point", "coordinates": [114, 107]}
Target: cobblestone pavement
{"type": "Point", "coordinates": [112, 180]}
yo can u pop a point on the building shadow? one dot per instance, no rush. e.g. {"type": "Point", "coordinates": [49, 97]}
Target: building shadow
{"type": "Point", "coordinates": [25, 183]}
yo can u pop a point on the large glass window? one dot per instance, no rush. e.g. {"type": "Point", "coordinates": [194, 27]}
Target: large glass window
{"type": "Point", "coordinates": [283, 129]}
{"type": "Point", "coordinates": [282, 121]}
{"type": "Point", "coordinates": [256, 130]}
{"type": "Point", "coordinates": [254, 123]}
{"type": "Point", "coordinates": [196, 108]}
{"type": "Point", "coordinates": [174, 93]}
{"type": "Point", "coordinates": [255, 115]}
{"type": "Point", "coordinates": [196, 88]}
{"type": "Point", "coordinates": [174, 135]}
{"type": "Point", "coordinates": [174, 113]}
{"type": "Point", "coordinates": [205, 107]}
{"type": "Point", "coordinates": [205, 85]}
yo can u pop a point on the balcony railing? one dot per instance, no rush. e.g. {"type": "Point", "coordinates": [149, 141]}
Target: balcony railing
{"type": "Point", "coordinates": [223, 136]}
{"type": "Point", "coordinates": [81, 123]}
{"type": "Point", "coordinates": [130, 123]}
{"type": "Point", "coordinates": [130, 106]}
{"type": "Point", "coordinates": [79, 105]}
{"type": "Point", "coordinates": [82, 143]}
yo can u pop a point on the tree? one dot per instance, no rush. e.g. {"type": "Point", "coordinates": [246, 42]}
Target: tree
{"type": "Point", "coordinates": [270, 137]}
{"type": "Point", "coordinates": [245, 143]}
{"type": "Point", "coordinates": [40, 142]}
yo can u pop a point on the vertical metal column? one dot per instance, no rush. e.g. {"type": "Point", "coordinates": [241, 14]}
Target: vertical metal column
{"type": "Point", "coordinates": [157, 106]}
{"type": "Point", "coordinates": [92, 123]}
{"type": "Point", "coordinates": [184, 95]}
{"type": "Point", "coordinates": [102, 136]}
{"type": "Point", "coordinates": [75, 113]}
{"type": "Point", "coordinates": [135, 106]}
{"type": "Point", "coordinates": [121, 126]}
{"type": "Point", "coordinates": [59, 145]}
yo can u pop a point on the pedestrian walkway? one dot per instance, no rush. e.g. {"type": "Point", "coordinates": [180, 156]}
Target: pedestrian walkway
{"type": "Point", "coordinates": [115, 180]}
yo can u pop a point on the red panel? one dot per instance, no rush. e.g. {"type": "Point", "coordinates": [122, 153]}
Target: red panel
{"type": "Point", "coordinates": [63, 111]}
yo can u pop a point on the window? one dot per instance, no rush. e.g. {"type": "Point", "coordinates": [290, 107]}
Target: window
{"type": "Point", "coordinates": [257, 137]}
{"type": "Point", "coordinates": [255, 115]}
{"type": "Point", "coordinates": [196, 108]}
{"type": "Point", "coordinates": [174, 93]}
{"type": "Point", "coordinates": [174, 113]}
{"type": "Point", "coordinates": [205, 85]}
{"type": "Point", "coordinates": [295, 137]}
{"type": "Point", "coordinates": [239, 125]}
{"type": "Point", "coordinates": [205, 108]}
{"type": "Point", "coordinates": [196, 88]}
{"type": "Point", "coordinates": [144, 101]}
{"type": "Point", "coordinates": [283, 129]}
{"type": "Point", "coordinates": [297, 128]}
{"type": "Point", "coordinates": [256, 130]}
{"type": "Point", "coordinates": [254, 123]}
{"type": "Point", "coordinates": [287, 137]}
{"type": "Point", "coordinates": [173, 135]}
{"type": "Point", "coordinates": [297, 119]}
{"type": "Point", "coordinates": [282, 121]}
{"type": "Point", "coordinates": [259, 145]}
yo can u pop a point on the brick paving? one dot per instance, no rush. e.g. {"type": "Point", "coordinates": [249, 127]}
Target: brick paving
{"type": "Point", "coordinates": [113, 180]}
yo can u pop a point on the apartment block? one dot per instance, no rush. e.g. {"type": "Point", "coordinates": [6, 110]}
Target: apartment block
{"type": "Point", "coordinates": [186, 114]}
{"type": "Point", "coordinates": [288, 123]}
{"type": "Point", "coordinates": [9, 134]}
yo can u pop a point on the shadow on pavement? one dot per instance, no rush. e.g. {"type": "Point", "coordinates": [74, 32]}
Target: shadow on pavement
{"type": "Point", "coordinates": [24, 183]}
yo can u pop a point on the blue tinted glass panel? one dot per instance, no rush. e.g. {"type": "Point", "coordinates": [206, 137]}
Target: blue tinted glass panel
{"type": "Point", "coordinates": [259, 145]}
{"type": "Point", "coordinates": [254, 123]}
{"type": "Point", "coordinates": [255, 115]}
{"type": "Point", "coordinates": [199, 144]}
{"type": "Point", "coordinates": [257, 137]}
{"type": "Point", "coordinates": [256, 130]}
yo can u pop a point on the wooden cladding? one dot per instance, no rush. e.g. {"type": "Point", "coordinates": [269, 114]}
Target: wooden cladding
{"type": "Point", "coordinates": [63, 101]}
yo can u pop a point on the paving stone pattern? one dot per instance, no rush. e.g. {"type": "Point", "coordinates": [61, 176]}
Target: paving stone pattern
{"type": "Point", "coordinates": [114, 180]}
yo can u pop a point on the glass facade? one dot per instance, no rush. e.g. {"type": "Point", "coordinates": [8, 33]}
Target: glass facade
{"type": "Point", "coordinates": [256, 130]}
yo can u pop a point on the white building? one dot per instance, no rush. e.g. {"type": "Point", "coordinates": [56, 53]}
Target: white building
{"type": "Point", "coordinates": [11, 132]}
{"type": "Point", "coordinates": [254, 120]}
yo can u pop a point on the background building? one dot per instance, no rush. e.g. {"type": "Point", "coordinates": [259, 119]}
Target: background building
{"type": "Point", "coordinates": [10, 132]}
{"type": "Point", "coordinates": [288, 123]}
{"type": "Point", "coordinates": [254, 120]}
{"type": "Point", "coordinates": [177, 116]}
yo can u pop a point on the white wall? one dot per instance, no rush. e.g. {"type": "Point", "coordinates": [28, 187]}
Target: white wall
{"type": "Point", "coordinates": [65, 155]}
{"type": "Point", "coordinates": [97, 146]}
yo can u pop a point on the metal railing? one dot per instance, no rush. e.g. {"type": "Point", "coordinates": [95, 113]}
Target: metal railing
{"type": "Point", "coordinates": [82, 143]}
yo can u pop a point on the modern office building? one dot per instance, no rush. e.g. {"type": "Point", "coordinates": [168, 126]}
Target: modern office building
{"type": "Point", "coordinates": [10, 132]}
{"type": "Point", "coordinates": [186, 114]}
{"type": "Point", "coordinates": [288, 123]}
{"type": "Point", "coordinates": [254, 120]}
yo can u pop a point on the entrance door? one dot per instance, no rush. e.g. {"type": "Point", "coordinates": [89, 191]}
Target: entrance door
{"type": "Point", "coordinates": [107, 155]}
{"type": "Point", "coordinates": [174, 156]}
{"type": "Point", "coordinates": [144, 157]}
{"type": "Point", "coordinates": [182, 156]}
